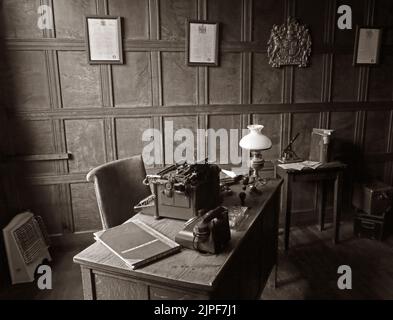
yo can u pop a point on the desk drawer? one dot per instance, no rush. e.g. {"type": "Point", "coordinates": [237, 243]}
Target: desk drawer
{"type": "Point", "coordinates": [108, 287]}
{"type": "Point", "coordinates": [173, 294]}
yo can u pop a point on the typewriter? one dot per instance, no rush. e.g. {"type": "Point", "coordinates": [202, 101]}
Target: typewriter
{"type": "Point", "coordinates": [182, 191]}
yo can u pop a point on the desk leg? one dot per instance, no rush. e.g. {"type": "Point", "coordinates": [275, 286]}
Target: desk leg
{"type": "Point", "coordinates": [337, 206]}
{"type": "Point", "coordinates": [276, 275]}
{"type": "Point", "coordinates": [287, 201]}
{"type": "Point", "coordinates": [321, 205]}
{"type": "Point", "coordinates": [88, 283]}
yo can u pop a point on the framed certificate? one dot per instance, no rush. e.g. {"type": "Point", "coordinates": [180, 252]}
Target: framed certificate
{"type": "Point", "coordinates": [367, 45]}
{"type": "Point", "coordinates": [104, 40]}
{"type": "Point", "coordinates": [202, 43]}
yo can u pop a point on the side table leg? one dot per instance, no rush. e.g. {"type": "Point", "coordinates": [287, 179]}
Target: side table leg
{"type": "Point", "coordinates": [337, 206]}
{"type": "Point", "coordinates": [276, 275]}
{"type": "Point", "coordinates": [287, 199]}
{"type": "Point", "coordinates": [321, 205]}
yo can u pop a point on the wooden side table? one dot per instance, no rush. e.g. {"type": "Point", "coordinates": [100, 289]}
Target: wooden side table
{"type": "Point", "coordinates": [328, 171]}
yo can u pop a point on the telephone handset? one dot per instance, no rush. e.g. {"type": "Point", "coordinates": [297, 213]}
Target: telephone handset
{"type": "Point", "coordinates": [202, 230]}
{"type": "Point", "coordinates": [212, 232]}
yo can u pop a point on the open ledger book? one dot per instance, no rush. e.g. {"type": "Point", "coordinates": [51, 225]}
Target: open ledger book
{"type": "Point", "coordinates": [301, 165]}
{"type": "Point", "coordinates": [136, 243]}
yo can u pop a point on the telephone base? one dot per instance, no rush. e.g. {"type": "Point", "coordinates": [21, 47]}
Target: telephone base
{"type": "Point", "coordinates": [218, 236]}
{"type": "Point", "coordinates": [186, 237]}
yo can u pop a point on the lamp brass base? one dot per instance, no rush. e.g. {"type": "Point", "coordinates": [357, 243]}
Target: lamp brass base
{"type": "Point", "coordinates": [257, 164]}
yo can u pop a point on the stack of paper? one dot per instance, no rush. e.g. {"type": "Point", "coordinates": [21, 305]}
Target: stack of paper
{"type": "Point", "coordinates": [136, 243]}
{"type": "Point", "coordinates": [301, 165]}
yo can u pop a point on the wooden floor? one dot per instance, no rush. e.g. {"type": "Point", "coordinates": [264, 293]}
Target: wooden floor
{"type": "Point", "coordinates": [308, 271]}
{"type": "Point", "coordinates": [67, 283]}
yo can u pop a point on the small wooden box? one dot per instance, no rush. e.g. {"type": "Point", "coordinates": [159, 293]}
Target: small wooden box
{"type": "Point", "coordinates": [371, 228]}
{"type": "Point", "coordinates": [374, 198]}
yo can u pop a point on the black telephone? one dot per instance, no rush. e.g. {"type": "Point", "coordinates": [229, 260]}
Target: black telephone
{"type": "Point", "coordinates": [208, 233]}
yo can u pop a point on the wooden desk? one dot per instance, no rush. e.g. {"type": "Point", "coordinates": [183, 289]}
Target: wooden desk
{"type": "Point", "coordinates": [328, 171]}
{"type": "Point", "coordinates": [240, 272]}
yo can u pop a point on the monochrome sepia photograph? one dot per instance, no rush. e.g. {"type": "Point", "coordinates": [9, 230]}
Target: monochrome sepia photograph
{"type": "Point", "coordinates": [200, 150]}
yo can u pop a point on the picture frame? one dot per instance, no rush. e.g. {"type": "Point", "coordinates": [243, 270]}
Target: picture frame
{"type": "Point", "coordinates": [104, 39]}
{"type": "Point", "coordinates": [202, 43]}
{"type": "Point", "coordinates": [367, 45]}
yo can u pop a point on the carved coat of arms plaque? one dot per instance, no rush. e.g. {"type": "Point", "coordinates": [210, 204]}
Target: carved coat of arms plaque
{"type": "Point", "coordinates": [289, 44]}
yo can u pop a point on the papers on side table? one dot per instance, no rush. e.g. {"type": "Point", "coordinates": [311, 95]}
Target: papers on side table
{"type": "Point", "coordinates": [300, 165]}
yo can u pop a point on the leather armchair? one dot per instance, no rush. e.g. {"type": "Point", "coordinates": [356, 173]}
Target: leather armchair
{"type": "Point", "coordinates": [118, 186]}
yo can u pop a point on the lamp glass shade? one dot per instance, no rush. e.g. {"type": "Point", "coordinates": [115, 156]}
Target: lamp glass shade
{"type": "Point", "coordinates": [255, 140]}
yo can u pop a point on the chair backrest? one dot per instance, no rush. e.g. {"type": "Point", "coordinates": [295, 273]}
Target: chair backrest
{"type": "Point", "coordinates": [119, 188]}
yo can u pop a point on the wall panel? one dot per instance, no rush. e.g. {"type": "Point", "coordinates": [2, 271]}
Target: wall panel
{"type": "Point", "coordinates": [132, 81]}
{"type": "Point", "coordinates": [28, 78]}
{"type": "Point", "coordinates": [135, 26]}
{"type": "Point", "coordinates": [347, 37]}
{"type": "Point", "coordinates": [224, 82]}
{"type": "Point", "coordinates": [79, 81]}
{"type": "Point", "coordinates": [384, 17]}
{"type": "Point", "coordinates": [344, 149]}
{"type": "Point", "coordinates": [377, 127]}
{"type": "Point", "coordinates": [179, 82]}
{"type": "Point", "coordinates": [19, 17]}
{"type": "Point", "coordinates": [84, 207]}
{"type": "Point", "coordinates": [32, 138]}
{"type": "Point", "coordinates": [37, 168]}
{"type": "Point", "coordinates": [374, 170]}
{"type": "Point", "coordinates": [343, 124]}
{"type": "Point", "coordinates": [129, 136]}
{"type": "Point", "coordinates": [46, 202]}
{"type": "Point", "coordinates": [69, 17]}
{"type": "Point", "coordinates": [314, 17]}
{"type": "Point", "coordinates": [381, 81]}
{"type": "Point", "coordinates": [188, 136]}
{"type": "Point", "coordinates": [266, 81]}
{"type": "Point", "coordinates": [85, 141]}
{"type": "Point", "coordinates": [223, 145]}
{"type": "Point", "coordinates": [272, 128]}
{"type": "Point", "coordinates": [308, 81]}
{"type": "Point", "coordinates": [345, 78]}
{"type": "Point", "coordinates": [173, 15]}
{"type": "Point", "coordinates": [304, 123]}
{"type": "Point", "coordinates": [272, 12]}
{"type": "Point", "coordinates": [228, 13]}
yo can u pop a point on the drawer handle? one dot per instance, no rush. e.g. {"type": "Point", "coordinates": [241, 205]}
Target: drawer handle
{"type": "Point", "coordinates": [169, 297]}
{"type": "Point", "coordinates": [161, 296]}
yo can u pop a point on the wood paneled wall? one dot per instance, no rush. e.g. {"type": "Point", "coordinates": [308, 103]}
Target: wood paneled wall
{"type": "Point", "coordinates": [60, 104]}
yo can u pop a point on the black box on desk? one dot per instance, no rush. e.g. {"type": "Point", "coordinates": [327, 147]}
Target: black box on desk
{"type": "Point", "coordinates": [373, 198]}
